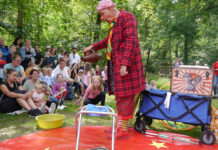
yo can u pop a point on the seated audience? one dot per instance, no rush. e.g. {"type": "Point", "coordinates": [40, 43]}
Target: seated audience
{"type": "Point", "coordinates": [27, 54]}
{"type": "Point", "coordinates": [34, 78]}
{"type": "Point", "coordinates": [31, 65]}
{"type": "Point", "coordinates": [53, 57]}
{"type": "Point", "coordinates": [11, 54]}
{"type": "Point", "coordinates": [47, 61]}
{"type": "Point", "coordinates": [2, 64]}
{"type": "Point", "coordinates": [98, 71]}
{"type": "Point", "coordinates": [62, 68]}
{"type": "Point", "coordinates": [74, 57]}
{"type": "Point", "coordinates": [15, 64]}
{"type": "Point", "coordinates": [48, 97]}
{"type": "Point", "coordinates": [87, 75]}
{"type": "Point", "coordinates": [66, 58]}
{"type": "Point", "coordinates": [61, 55]}
{"type": "Point", "coordinates": [52, 79]}
{"type": "Point", "coordinates": [104, 76]}
{"type": "Point", "coordinates": [13, 96]}
{"type": "Point", "coordinates": [94, 93]}
{"type": "Point", "coordinates": [38, 97]}
{"type": "Point", "coordinates": [18, 44]}
{"type": "Point", "coordinates": [38, 56]}
{"type": "Point", "coordinates": [59, 89]}
{"type": "Point", "coordinates": [4, 49]}
{"type": "Point", "coordinates": [44, 77]}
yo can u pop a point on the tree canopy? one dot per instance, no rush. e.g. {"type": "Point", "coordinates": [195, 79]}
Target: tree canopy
{"type": "Point", "coordinates": [172, 28]}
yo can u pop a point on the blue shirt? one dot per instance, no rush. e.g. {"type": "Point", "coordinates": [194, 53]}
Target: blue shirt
{"type": "Point", "coordinates": [24, 55]}
{"type": "Point", "coordinates": [46, 79]}
{"type": "Point", "coordinates": [9, 66]}
{"type": "Point", "coordinates": [4, 51]}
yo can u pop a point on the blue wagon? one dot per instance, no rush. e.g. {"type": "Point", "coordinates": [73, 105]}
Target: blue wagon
{"type": "Point", "coordinates": [185, 108]}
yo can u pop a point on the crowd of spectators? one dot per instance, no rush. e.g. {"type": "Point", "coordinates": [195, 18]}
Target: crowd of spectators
{"type": "Point", "coordinates": [44, 77]}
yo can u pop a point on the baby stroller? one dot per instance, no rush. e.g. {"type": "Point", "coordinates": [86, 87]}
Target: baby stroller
{"type": "Point", "coordinates": [185, 108]}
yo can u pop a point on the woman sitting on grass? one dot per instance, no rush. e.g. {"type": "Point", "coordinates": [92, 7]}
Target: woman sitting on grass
{"type": "Point", "coordinates": [13, 97]}
{"type": "Point", "coordinates": [94, 93]}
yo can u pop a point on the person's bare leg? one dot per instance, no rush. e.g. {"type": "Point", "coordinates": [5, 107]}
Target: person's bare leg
{"type": "Point", "coordinates": [82, 89]}
{"type": "Point", "coordinates": [78, 101]}
{"type": "Point", "coordinates": [23, 103]}
{"type": "Point", "coordinates": [31, 103]}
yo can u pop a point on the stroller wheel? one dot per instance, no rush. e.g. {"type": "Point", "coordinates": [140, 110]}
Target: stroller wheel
{"type": "Point", "coordinates": [140, 126]}
{"type": "Point", "coordinates": [207, 137]}
{"type": "Point", "coordinates": [148, 121]}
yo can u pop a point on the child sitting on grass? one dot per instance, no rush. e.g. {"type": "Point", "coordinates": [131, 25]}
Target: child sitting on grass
{"type": "Point", "coordinates": [38, 98]}
{"type": "Point", "coordinates": [44, 76]}
{"type": "Point", "coordinates": [29, 68]}
{"type": "Point", "coordinates": [94, 93]}
{"type": "Point", "coordinates": [60, 88]}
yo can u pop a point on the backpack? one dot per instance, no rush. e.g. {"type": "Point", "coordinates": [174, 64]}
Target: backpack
{"type": "Point", "coordinates": [69, 95]}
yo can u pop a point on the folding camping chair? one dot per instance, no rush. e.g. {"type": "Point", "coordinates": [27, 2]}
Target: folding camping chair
{"type": "Point", "coordinates": [84, 111]}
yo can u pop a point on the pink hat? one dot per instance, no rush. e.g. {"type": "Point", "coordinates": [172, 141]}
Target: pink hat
{"type": "Point", "coordinates": [105, 4]}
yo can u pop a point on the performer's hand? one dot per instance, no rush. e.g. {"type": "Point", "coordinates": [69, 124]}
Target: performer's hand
{"type": "Point", "coordinates": [87, 49]}
{"type": "Point", "coordinates": [123, 71]}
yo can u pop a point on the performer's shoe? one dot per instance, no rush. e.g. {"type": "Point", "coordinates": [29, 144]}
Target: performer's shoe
{"type": "Point", "coordinates": [121, 134]}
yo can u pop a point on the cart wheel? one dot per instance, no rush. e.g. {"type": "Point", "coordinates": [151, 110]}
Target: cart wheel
{"type": "Point", "coordinates": [148, 121]}
{"type": "Point", "coordinates": [140, 126]}
{"type": "Point", "coordinates": [207, 137]}
{"type": "Point", "coordinates": [205, 128]}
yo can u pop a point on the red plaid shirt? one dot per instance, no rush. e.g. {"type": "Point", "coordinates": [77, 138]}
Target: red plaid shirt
{"type": "Point", "coordinates": [125, 51]}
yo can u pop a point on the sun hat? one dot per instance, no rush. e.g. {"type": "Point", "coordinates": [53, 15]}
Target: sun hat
{"type": "Point", "coordinates": [81, 70]}
{"type": "Point", "coordinates": [105, 4]}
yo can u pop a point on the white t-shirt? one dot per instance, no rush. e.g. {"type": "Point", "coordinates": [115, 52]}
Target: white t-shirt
{"type": "Point", "coordinates": [74, 59]}
{"type": "Point", "coordinates": [60, 56]}
{"type": "Point", "coordinates": [65, 72]}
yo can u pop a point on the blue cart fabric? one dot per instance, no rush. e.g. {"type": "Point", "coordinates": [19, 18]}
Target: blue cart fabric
{"type": "Point", "coordinates": [186, 108]}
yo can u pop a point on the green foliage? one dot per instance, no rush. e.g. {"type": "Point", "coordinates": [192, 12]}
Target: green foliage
{"type": "Point", "coordinates": [173, 28]}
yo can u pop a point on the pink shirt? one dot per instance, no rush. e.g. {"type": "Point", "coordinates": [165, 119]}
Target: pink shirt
{"type": "Point", "coordinates": [38, 99]}
{"type": "Point", "coordinates": [92, 95]}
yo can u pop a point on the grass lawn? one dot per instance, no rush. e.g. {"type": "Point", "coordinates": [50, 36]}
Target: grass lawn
{"type": "Point", "coordinates": [13, 126]}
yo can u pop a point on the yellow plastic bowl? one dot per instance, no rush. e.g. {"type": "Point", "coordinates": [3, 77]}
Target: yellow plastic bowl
{"type": "Point", "coordinates": [50, 121]}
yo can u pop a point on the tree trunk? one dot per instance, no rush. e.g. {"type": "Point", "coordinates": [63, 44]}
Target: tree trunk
{"type": "Point", "coordinates": [146, 29]}
{"type": "Point", "coordinates": [169, 47]}
{"type": "Point", "coordinates": [177, 46]}
{"type": "Point", "coordinates": [164, 53]}
{"type": "Point", "coordinates": [19, 20]}
{"type": "Point", "coordinates": [97, 28]}
{"type": "Point", "coordinates": [186, 51]}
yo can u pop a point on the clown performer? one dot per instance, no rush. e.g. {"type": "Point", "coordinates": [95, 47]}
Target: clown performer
{"type": "Point", "coordinates": [125, 69]}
